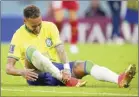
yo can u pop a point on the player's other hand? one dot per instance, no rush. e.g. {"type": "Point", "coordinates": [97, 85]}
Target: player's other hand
{"type": "Point", "coordinates": [29, 74]}
{"type": "Point", "coordinates": [67, 71]}
{"type": "Point", "coordinates": [65, 76]}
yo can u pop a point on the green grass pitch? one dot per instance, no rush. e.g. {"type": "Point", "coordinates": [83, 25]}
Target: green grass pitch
{"type": "Point", "coordinates": [115, 57]}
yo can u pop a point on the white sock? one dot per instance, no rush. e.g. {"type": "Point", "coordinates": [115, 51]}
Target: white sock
{"type": "Point", "coordinates": [126, 30]}
{"type": "Point", "coordinates": [135, 35]}
{"type": "Point", "coordinates": [45, 65]}
{"type": "Point", "coordinates": [102, 73]}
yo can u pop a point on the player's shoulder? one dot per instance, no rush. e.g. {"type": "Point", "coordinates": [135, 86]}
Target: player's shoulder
{"type": "Point", "coordinates": [48, 24]}
{"type": "Point", "coordinates": [19, 31]}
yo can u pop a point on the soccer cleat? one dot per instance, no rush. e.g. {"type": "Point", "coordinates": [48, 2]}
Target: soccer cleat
{"type": "Point", "coordinates": [73, 82]}
{"type": "Point", "coordinates": [126, 77]}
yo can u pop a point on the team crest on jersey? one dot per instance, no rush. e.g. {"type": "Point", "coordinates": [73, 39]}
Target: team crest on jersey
{"type": "Point", "coordinates": [49, 42]}
{"type": "Point", "coordinates": [11, 50]}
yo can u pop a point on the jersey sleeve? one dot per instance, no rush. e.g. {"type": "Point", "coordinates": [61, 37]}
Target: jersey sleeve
{"type": "Point", "coordinates": [55, 35]}
{"type": "Point", "coordinates": [14, 49]}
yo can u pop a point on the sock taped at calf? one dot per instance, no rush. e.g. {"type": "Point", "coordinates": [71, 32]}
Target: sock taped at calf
{"type": "Point", "coordinates": [88, 66]}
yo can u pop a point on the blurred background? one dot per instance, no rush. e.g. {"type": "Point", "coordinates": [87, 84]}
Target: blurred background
{"type": "Point", "coordinates": [98, 21]}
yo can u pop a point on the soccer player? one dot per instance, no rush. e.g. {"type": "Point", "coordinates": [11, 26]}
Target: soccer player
{"type": "Point", "coordinates": [72, 7]}
{"type": "Point", "coordinates": [115, 7]}
{"type": "Point", "coordinates": [131, 18]}
{"type": "Point", "coordinates": [80, 69]}
{"type": "Point", "coordinates": [38, 42]}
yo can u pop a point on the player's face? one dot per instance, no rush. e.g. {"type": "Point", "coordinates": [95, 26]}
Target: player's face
{"type": "Point", "coordinates": [33, 24]}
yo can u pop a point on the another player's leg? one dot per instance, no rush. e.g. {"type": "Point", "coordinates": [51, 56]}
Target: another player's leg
{"type": "Point", "coordinates": [104, 74]}
{"type": "Point", "coordinates": [116, 35]}
{"type": "Point", "coordinates": [134, 38]}
{"type": "Point", "coordinates": [43, 64]}
{"type": "Point", "coordinates": [58, 13]}
{"type": "Point", "coordinates": [72, 7]}
{"type": "Point", "coordinates": [74, 30]}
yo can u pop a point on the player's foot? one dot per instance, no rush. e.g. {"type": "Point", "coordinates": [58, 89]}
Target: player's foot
{"type": "Point", "coordinates": [118, 40]}
{"type": "Point", "coordinates": [74, 49]}
{"type": "Point", "coordinates": [126, 77]}
{"type": "Point", "coordinates": [73, 82]}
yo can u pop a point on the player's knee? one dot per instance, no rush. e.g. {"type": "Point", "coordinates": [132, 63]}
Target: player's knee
{"type": "Point", "coordinates": [29, 52]}
{"type": "Point", "coordinates": [29, 65]}
{"type": "Point", "coordinates": [59, 15]}
{"type": "Point", "coordinates": [73, 15]}
{"type": "Point", "coordinates": [78, 69]}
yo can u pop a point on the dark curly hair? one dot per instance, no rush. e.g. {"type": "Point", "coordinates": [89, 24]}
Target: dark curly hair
{"type": "Point", "coordinates": [31, 11]}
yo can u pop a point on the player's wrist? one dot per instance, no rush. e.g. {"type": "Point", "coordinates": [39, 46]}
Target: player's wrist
{"type": "Point", "coordinates": [21, 72]}
{"type": "Point", "coordinates": [67, 66]}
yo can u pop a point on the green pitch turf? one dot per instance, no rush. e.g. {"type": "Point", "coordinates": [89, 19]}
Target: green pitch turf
{"type": "Point", "coordinates": [115, 57]}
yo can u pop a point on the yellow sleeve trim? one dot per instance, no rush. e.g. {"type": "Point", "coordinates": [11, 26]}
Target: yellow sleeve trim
{"type": "Point", "coordinates": [14, 57]}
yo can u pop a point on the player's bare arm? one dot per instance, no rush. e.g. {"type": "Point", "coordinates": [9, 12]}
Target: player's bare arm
{"type": "Point", "coordinates": [78, 68]}
{"type": "Point", "coordinates": [10, 67]}
{"type": "Point", "coordinates": [63, 57]}
{"type": "Point", "coordinates": [26, 73]}
{"type": "Point", "coordinates": [62, 54]}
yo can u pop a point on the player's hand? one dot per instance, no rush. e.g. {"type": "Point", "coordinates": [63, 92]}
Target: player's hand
{"type": "Point", "coordinates": [67, 69]}
{"type": "Point", "coordinates": [65, 76]}
{"type": "Point", "coordinates": [29, 74]}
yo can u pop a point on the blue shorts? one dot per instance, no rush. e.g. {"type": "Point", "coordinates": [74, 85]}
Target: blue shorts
{"type": "Point", "coordinates": [46, 79]}
{"type": "Point", "coordinates": [132, 16]}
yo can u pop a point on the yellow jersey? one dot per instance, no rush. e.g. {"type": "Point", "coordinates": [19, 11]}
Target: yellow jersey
{"type": "Point", "coordinates": [132, 4]}
{"type": "Point", "coordinates": [44, 42]}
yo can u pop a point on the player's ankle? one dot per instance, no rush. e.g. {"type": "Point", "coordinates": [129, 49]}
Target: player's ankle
{"type": "Point", "coordinates": [72, 82]}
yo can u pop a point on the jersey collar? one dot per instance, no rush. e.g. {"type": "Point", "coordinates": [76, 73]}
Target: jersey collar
{"type": "Point", "coordinates": [27, 29]}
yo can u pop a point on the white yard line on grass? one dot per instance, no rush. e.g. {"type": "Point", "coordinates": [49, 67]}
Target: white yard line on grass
{"type": "Point", "coordinates": [68, 92]}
